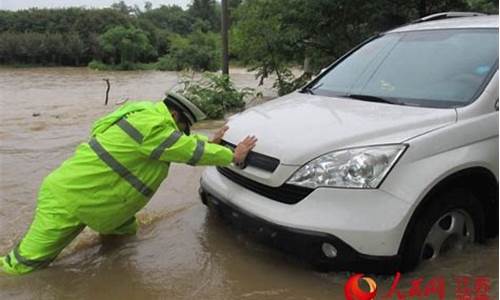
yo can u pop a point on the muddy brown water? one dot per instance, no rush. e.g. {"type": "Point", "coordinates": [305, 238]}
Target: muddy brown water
{"type": "Point", "coordinates": [182, 251]}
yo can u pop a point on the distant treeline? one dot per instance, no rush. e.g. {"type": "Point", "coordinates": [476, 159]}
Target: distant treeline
{"type": "Point", "coordinates": [119, 34]}
{"type": "Point", "coordinates": [265, 35]}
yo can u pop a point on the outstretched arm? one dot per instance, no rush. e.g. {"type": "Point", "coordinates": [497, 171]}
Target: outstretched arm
{"type": "Point", "coordinates": [165, 143]}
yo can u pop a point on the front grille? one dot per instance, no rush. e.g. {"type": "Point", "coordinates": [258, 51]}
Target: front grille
{"type": "Point", "coordinates": [286, 193]}
{"type": "Point", "coordinates": [257, 160]}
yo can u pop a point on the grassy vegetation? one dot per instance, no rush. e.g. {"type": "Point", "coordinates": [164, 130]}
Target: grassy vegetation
{"type": "Point", "coordinates": [100, 66]}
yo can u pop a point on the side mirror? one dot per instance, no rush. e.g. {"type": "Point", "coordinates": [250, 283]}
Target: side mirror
{"type": "Point", "coordinates": [496, 105]}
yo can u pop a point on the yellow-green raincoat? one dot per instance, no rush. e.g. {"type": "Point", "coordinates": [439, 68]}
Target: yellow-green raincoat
{"type": "Point", "coordinates": [109, 179]}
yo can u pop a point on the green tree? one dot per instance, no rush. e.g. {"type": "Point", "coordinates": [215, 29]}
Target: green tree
{"type": "Point", "coordinates": [485, 6]}
{"type": "Point", "coordinates": [122, 7]}
{"type": "Point", "coordinates": [126, 45]}
{"type": "Point", "coordinates": [199, 51]}
{"type": "Point", "coordinates": [172, 18]}
{"type": "Point", "coordinates": [148, 6]}
{"type": "Point", "coordinates": [76, 47]}
{"type": "Point", "coordinates": [8, 47]}
{"type": "Point", "coordinates": [35, 47]}
{"type": "Point", "coordinates": [268, 37]}
{"type": "Point", "coordinates": [55, 47]}
{"type": "Point", "coordinates": [206, 11]}
{"type": "Point", "coordinates": [262, 40]}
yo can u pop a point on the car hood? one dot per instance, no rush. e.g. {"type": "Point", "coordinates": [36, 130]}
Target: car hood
{"type": "Point", "coordinates": [299, 127]}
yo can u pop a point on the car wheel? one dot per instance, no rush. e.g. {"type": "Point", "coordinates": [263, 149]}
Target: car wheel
{"type": "Point", "coordinates": [447, 223]}
{"type": "Point", "coordinates": [203, 196]}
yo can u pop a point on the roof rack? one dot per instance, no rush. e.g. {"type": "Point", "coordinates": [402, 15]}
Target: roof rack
{"type": "Point", "coordinates": [446, 15]}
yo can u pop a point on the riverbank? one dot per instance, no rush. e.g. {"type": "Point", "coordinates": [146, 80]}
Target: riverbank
{"type": "Point", "coordinates": [97, 65]}
{"type": "Point", "coordinates": [153, 66]}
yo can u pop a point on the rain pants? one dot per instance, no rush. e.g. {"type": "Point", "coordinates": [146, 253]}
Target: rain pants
{"type": "Point", "coordinates": [108, 180]}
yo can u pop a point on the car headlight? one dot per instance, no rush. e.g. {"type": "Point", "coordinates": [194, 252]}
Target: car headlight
{"type": "Point", "coordinates": [364, 167]}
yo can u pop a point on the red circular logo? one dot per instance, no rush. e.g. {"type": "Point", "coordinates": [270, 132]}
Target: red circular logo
{"type": "Point", "coordinates": [353, 291]}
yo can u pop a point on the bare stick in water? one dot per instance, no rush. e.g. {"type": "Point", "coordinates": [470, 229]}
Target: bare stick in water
{"type": "Point", "coordinates": [107, 90]}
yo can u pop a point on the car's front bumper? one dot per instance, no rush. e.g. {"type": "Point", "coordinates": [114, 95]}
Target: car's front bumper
{"type": "Point", "coordinates": [307, 244]}
{"type": "Point", "coordinates": [364, 227]}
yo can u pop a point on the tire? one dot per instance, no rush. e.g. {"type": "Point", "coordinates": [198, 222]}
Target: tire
{"type": "Point", "coordinates": [203, 196]}
{"type": "Point", "coordinates": [439, 220]}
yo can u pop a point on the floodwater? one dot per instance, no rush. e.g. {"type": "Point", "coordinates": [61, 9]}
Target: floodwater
{"type": "Point", "coordinates": [182, 251]}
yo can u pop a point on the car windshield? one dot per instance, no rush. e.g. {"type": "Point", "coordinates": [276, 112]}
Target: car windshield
{"type": "Point", "coordinates": [434, 68]}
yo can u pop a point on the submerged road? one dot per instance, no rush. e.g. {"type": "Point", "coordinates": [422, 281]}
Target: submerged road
{"type": "Point", "coordinates": [182, 251]}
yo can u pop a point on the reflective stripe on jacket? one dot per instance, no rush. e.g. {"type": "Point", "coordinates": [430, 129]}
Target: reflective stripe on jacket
{"type": "Point", "coordinates": [114, 175]}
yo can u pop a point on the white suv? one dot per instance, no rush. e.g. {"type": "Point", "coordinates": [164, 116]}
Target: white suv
{"type": "Point", "coordinates": [387, 158]}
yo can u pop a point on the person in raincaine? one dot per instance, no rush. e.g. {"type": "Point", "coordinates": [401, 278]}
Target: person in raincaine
{"type": "Point", "coordinates": [113, 175]}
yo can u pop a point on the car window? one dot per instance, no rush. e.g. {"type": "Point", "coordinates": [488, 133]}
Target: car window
{"type": "Point", "coordinates": [437, 68]}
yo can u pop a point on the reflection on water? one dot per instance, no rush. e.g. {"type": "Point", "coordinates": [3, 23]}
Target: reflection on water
{"type": "Point", "coordinates": [182, 251]}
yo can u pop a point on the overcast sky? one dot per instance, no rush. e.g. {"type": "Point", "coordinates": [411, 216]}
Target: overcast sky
{"type": "Point", "coordinates": [23, 4]}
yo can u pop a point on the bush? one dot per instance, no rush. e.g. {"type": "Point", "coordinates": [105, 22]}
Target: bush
{"type": "Point", "coordinates": [215, 94]}
{"type": "Point", "coordinates": [198, 51]}
{"type": "Point", "coordinates": [167, 63]}
{"type": "Point", "coordinates": [98, 65]}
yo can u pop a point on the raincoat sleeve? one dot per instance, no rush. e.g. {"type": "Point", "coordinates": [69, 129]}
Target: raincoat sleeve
{"type": "Point", "coordinates": [166, 143]}
{"type": "Point", "coordinates": [201, 137]}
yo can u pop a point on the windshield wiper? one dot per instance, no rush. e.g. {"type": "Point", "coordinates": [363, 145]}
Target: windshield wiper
{"type": "Point", "coordinates": [372, 98]}
{"type": "Point", "coordinates": [310, 90]}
